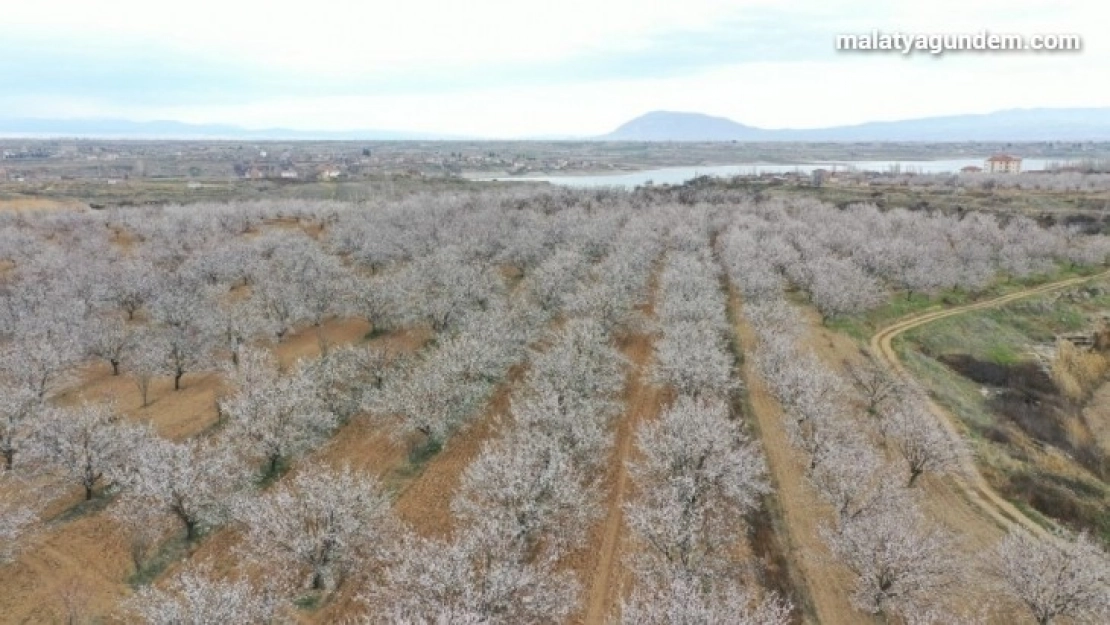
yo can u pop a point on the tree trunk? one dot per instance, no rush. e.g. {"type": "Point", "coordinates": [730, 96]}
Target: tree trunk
{"type": "Point", "coordinates": [115, 366]}
{"type": "Point", "coordinates": [914, 474]}
{"type": "Point", "coordinates": [177, 379]}
{"type": "Point", "coordinates": [88, 492]}
{"type": "Point", "coordinates": [9, 457]}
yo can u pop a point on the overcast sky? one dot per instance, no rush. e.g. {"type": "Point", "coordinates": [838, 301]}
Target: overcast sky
{"type": "Point", "coordinates": [512, 68]}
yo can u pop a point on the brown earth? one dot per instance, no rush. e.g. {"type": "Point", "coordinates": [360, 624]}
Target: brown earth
{"type": "Point", "coordinates": [363, 444]}
{"type": "Point", "coordinates": [40, 204]}
{"type": "Point", "coordinates": [424, 503]}
{"type": "Point", "coordinates": [825, 585]}
{"type": "Point", "coordinates": [85, 555]}
{"type": "Point", "coordinates": [599, 565]}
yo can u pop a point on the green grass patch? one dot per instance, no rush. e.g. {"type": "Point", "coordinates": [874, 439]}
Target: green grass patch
{"type": "Point", "coordinates": [1032, 513]}
{"type": "Point", "coordinates": [171, 551]}
{"type": "Point", "coordinates": [418, 457]}
{"type": "Point", "coordinates": [420, 454]}
{"type": "Point", "coordinates": [375, 332]}
{"type": "Point", "coordinates": [1038, 479]}
{"type": "Point", "coordinates": [100, 501]}
{"type": "Point", "coordinates": [309, 601]}
{"type": "Point", "coordinates": [977, 333]}
{"type": "Point", "coordinates": [861, 327]}
{"type": "Point", "coordinates": [955, 393]}
{"type": "Point", "coordinates": [902, 304]}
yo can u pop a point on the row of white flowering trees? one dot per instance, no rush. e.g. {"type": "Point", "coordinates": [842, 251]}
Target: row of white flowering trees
{"type": "Point", "coordinates": [325, 527]}
{"type": "Point", "coordinates": [523, 503]}
{"type": "Point", "coordinates": [203, 289]}
{"type": "Point", "coordinates": [697, 475]}
{"type": "Point", "coordinates": [533, 492]}
{"type": "Point", "coordinates": [868, 438]}
{"type": "Point", "coordinates": [849, 260]}
{"type": "Point", "coordinates": [498, 280]}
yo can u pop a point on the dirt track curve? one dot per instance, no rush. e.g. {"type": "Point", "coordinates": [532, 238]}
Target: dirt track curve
{"type": "Point", "coordinates": [969, 480]}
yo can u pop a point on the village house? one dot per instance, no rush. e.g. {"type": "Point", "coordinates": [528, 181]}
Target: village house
{"type": "Point", "coordinates": [971, 169]}
{"type": "Point", "coordinates": [328, 172]}
{"type": "Point", "coordinates": [1003, 164]}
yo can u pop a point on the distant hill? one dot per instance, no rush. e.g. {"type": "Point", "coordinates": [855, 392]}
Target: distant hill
{"type": "Point", "coordinates": [672, 126]}
{"type": "Point", "coordinates": [1078, 124]}
{"type": "Point", "coordinates": [1064, 124]}
{"type": "Point", "coordinates": [126, 129]}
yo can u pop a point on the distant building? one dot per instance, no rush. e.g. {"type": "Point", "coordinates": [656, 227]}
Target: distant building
{"type": "Point", "coordinates": [329, 172]}
{"type": "Point", "coordinates": [1003, 164]}
{"type": "Point", "coordinates": [971, 169]}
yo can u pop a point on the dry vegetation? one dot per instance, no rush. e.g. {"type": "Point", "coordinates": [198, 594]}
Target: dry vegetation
{"type": "Point", "coordinates": [1076, 371]}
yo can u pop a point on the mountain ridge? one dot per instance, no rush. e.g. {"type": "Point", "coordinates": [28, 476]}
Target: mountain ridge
{"type": "Point", "coordinates": [1039, 124]}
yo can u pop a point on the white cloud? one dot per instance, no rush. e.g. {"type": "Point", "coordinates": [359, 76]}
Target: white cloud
{"type": "Point", "coordinates": [771, 95]}
{"type": "Point", "coordinates": [348, 36]}
{"type": "Point", "coordinates": [338, 39]}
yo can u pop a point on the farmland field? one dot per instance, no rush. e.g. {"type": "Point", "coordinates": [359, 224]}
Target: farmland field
{"type": "Point", "coordinates": [523, 404]}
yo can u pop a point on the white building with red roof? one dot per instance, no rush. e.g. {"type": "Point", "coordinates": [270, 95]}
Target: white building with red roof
{"type": "Point", "coordinates": [1003, 164]}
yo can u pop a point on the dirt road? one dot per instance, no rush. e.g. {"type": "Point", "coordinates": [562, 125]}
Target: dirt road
{"type": "Point", "coordinates": [968, 480]}
{"type": "Point", "coordinates": [604, 573]}
{"type": "Point", "coordinates": [822, 585]}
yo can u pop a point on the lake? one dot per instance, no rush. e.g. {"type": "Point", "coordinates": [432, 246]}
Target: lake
{"type": "Point", "coordinates": [678, 175]}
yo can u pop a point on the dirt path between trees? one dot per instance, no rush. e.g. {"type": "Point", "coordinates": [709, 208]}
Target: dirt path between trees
{"type": "Point", "coordinates": [606, 578]}
{"type": "Point", "coordinates": [822, 585]}
{"type": "Point", "coordinates": [968, 480]}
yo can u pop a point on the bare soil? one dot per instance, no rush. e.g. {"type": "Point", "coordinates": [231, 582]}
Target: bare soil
{"type": "Point", "coordinates": [41, 204]}
{"type": "Point", "coordinates": [425, 501]}
{"type": "Point", "coordinates": [81, 556]}
{"type": "Point", "coordinates": [599, 566]}
{"type": "Point", "coordinates": [825, 584]}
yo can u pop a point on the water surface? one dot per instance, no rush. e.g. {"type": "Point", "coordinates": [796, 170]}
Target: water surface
{"type": "Point", "coordinates": [679, 175]}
